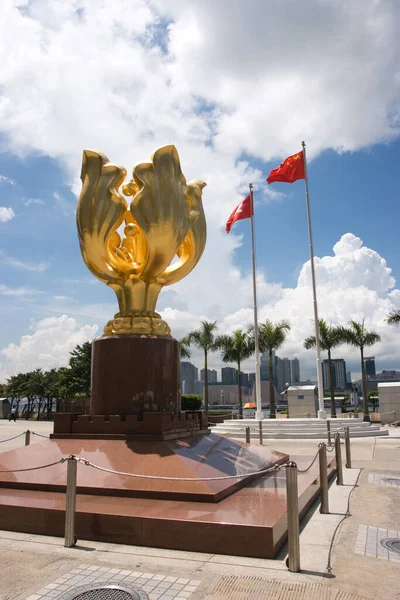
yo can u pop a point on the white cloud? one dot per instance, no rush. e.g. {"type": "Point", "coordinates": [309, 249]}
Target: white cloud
{"type": "Point", "coordinates": [4, 179]}
{"type": "Point", "coordinates": [223, 83]}
{"type": "Point", "coordinates": [48, 346]}
{"type": "Point", "coordinates": [354, 283]}
{"type": "Point", "coordinates": [6, 214]}
{"type": "Point", "coordinates": [30, 201]}
{"type": "Point", "coordinates": [350, 293]}
{"type": "Point", "coordinates": [20, 264]}
{"type": "Point", "coordinates": [21, 292]}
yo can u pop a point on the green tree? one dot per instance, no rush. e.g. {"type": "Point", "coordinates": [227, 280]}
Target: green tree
{"type": "Point", "coordinates": [15, 389]}
{"type": "Point", "coordinates": [204, 338]}
{"type": "Point", "coordinates": [394, 317]}
{"type": "Point", "coordinates": [78, 375]}
{"type": "Point", "coordinates": [184, 348]}
{"type": "Point", "coordinates": [330, 337]}
{"type": "Point", "coordinates": [271, 337]}
{"type": "Point", "coordinates": [357, 335]}
{"type": "Point", "coordinates": [236, 348]}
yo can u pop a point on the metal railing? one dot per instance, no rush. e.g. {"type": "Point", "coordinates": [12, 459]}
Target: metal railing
{"type": "Point", "coordinates": [291, 468]}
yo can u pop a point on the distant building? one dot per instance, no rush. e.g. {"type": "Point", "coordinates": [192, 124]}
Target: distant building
{"type": "Point", "coordinates": [229, 375]}
{"type": "Point", "coordinates": [339, 374]}
{"type": "Point", "coordinates": [212, 375]}
{"type": "Point", "coordinates": [264, 367]}
{"type": "Point", "coordinates": [189, 374]}
{"type": "Point", "coordinates": [198, 388]}
{"type": "Point", "coordinates": [387, 376]}
{"type": "Point", "coordinates": [348, 379]}
{"type": "Point", "coordinates": [295, 371]}
{"type": "Point", "coordinates": [244, 380]}
{"type": "Point", "coordinates": [370, 370]}
{"type": "Point", "coordinates": [283, 373]}
{"type": "Point", "coordinates": [252, 379]}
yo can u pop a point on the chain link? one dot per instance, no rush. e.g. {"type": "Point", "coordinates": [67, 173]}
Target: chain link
{"type": "Point", "coordinates": [58, 462]}
{"type": "Point", "coordinates": [13, 438]}
{"type": "Point", "coordinates": [309, 466]}
{"type": "Point", "coordinates": [87, 463]}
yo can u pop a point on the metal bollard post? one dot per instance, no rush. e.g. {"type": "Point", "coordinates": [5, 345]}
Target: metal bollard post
{"type": "Point", "coordinates": [247, 435]}
{"type": "Point", "coordinates": [27, 437]}
{"type": "Point", "coordinates": [348, 451]}
{"type": "Point", "coordinates": [70, 538]}
{"type": "Point", "coordinates": [260, 432]}
{"type": "Point", "coordinates": [328, 425]}
{"type": "Point", "coordinates": [293, 561]}
{"type": "Point", "coordinates": [323, 477]}
{"type": "Point", "coordinates": [338, 454]}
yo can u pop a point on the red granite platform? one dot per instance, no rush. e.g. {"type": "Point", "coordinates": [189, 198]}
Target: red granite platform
{"type": "Point", "coordinates": [195, 457]}
{"type": "Point", "coordinates": [251, 522]}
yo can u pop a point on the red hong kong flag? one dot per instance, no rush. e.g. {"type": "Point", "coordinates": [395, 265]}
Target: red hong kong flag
{"type": "Point", "coordinates": [290, 170]}
{"type": "Point", "coordinates": [244, 210]}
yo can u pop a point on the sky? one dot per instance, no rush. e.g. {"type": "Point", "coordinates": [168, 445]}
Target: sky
{"type": "Point", "coordinates": [235, 88]}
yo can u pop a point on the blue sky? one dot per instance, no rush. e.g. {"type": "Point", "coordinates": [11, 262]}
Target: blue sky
{"type": "Point", "coordinates": [83, 75]}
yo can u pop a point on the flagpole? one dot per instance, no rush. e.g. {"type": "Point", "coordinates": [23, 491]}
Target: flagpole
{"type": "Point", "coordinates": [321, 411]}
{"type": "Point", "coordinates": [259, 412]}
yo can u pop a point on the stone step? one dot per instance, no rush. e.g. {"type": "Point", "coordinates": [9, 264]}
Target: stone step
{"type": "Point", "coordinates": [299, 436]}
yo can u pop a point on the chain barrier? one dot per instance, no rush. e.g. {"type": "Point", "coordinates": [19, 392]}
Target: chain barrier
{"type": "Point", "coordinates": [310, 465]}
{"type": "Point", "coordinates": [58, 462]}
{"type": "Point", "coordinates": [87, 463]}
{"type": "Point", "coordinates": [13, 438]}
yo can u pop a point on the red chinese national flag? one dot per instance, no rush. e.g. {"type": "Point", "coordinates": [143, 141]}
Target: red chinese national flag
{"type": "Point", "coordinates": [244, 210]}
{"type": "Point", "coordinates": [290, 170]}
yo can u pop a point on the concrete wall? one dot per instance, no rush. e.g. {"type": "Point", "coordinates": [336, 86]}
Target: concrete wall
{"type": "Point", "coordinates": [389, 401]}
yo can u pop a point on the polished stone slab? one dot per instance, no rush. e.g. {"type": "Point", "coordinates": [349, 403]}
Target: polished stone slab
{"type": "Point", "coordinates": [191, 458]}
{"type": "Point", "coordinates": [251, 522]}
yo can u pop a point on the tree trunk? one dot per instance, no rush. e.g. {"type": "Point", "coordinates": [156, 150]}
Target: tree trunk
{"type": "Point", "coordinates": [366, 416]}
{"type": "Point", "coordinates": [272, 408]}
{"type": "Point", "coordinates": [240, 393]}
{"type": "Point", "coordinates": [205, 382]}
{"type": "Point", "coordinates": [332, 386]}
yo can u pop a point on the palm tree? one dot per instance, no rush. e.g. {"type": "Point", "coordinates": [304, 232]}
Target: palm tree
{"type": "Point", "coordinates": [271, 337]}
{"type": "Point", "coordinates": [329, 338]}
{"type": "Point", "coordinates": [236, 348]}
{"type": "Point", "coordinates": [394, 317]}
{"type": "Point", "coordinates": [357, 335]}
{"type": "Point", "coordinates": [204, 338]}
{"type": "Point", "coordinates": [184, 348]}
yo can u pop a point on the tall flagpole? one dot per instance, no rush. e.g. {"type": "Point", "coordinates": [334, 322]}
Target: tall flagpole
{"type": "Point", "coordinates": [259, 412]}
{"type": "Point", "coordinates": [321, 411]}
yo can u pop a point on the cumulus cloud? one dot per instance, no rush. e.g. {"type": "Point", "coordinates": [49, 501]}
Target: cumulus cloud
{"type": "Point", "coordinates": [354, 283]}
{"type": "Point", "coordinates": [349, 293]}
{"type": "Point", "coordinates": [48, 346]}
{"type": "Point", "coordinates": [6, 214]}
{"type": "Point", "coordinates": [221, 83]}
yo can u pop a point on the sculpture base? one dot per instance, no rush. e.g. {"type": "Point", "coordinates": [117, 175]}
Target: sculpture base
{"type": "Point", "coordinates": [133, 375]}
{"type": "Point", "coordinates": [152, 426]}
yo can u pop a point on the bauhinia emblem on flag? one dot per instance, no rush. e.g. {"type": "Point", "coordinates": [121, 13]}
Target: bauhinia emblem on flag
{"type": "Point", "coordinates": [244, 210]}
{"type": "Point", "coordinates": [290, 170]}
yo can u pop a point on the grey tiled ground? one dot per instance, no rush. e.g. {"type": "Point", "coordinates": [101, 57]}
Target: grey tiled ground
{"type": "Point", "coordinates": [158, 587]}
{"type": "Point", "coordinates": [380, 479]}
{"type": "Point", "coordinates": [368, 542]}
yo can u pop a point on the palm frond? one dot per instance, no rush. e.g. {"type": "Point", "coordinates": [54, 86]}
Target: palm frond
{"type": "Point", "coordinates": [394, 317]}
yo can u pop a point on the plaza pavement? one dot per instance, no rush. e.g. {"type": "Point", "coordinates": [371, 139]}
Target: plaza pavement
{"type": "Point", "coordinates": [341, 557]}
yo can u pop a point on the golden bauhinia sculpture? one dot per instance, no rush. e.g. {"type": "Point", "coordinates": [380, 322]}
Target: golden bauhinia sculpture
{"type": "Point", "coordinates": [165, 220]}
